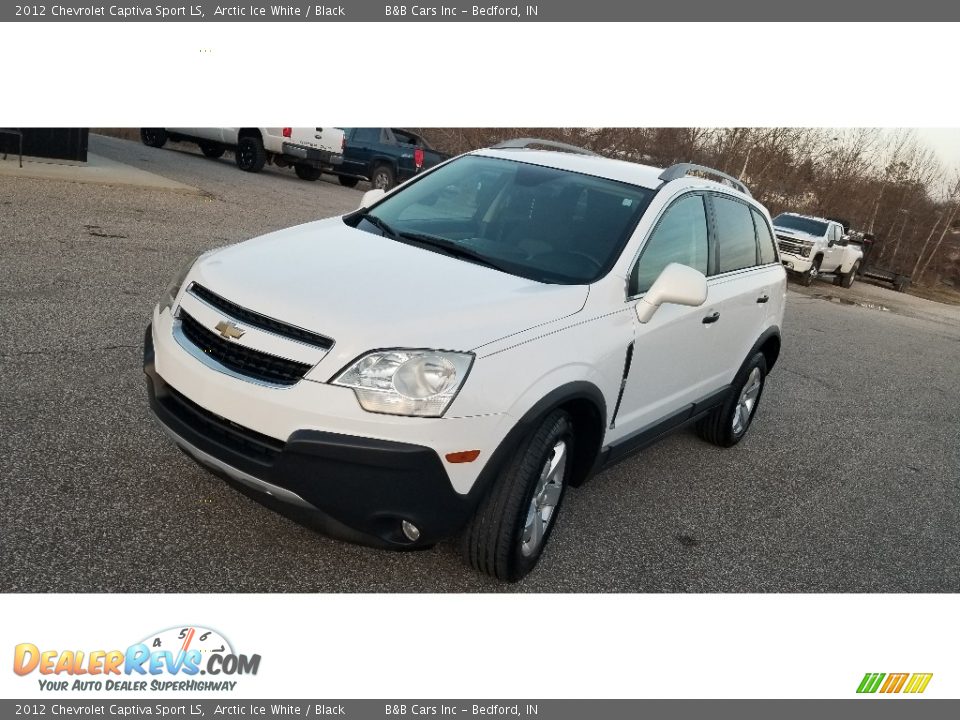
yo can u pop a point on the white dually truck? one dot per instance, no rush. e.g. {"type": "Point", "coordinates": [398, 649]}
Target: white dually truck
{"type": "Point", "coordinates": [811, 246]}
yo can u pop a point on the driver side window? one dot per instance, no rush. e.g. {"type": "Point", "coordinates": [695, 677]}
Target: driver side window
{"type": "Point", "coordinates": [680, 237]}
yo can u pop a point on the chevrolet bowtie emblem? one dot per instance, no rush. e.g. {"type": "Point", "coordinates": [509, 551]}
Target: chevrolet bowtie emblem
{"type": "Point", "coordinates": [229, 330]}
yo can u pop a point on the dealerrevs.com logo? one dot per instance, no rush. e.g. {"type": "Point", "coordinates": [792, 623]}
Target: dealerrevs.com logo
{"type": "Point", "coordinates": [892, 683]}
{"type": "Point", "coordinates": [172, 659]}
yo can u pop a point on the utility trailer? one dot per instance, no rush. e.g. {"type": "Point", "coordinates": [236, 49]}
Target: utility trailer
{"type": "Point", "coordinates": [874, 271]}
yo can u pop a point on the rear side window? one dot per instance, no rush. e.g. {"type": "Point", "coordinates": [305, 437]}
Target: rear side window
{"type": "Point", "coordinates": [680, 237]}
{"type": "Point", "coordinates": [736, 236]}
{"type": "Point", "coordinates": [765, 238]}
{"type": "Point", "coordinates": [368, 135]}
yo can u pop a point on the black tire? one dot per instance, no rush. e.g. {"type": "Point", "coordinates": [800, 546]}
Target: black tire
{"type": "Point", "coordinates": [347, 181]}
{"type": "Point", "coordinates": [493, 542]}
{"type": "Point", "coordinates": [718, 427]}
{"type": "Point", "coordinates": [807, 278]}
{"type": "Point", "coordinates": [846, 280]}
{"type": "Point", "coordinates": [383, 177]}
{"type": "Point", "coordinates": [250, 155]}
{"type": "Point", "coordinates": [211, 151]}
{"type": "Point", "coordinates": [307, 172]}
{"type": "Point", "coordinates": [153, 137]}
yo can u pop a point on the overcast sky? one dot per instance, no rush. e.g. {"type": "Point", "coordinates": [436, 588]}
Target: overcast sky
{"type": "Point", "coordinates": [945, 142]}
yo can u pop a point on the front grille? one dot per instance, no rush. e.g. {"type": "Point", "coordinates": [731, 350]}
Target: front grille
{"type": "Point", "coordinates": [260, 321]}
{"type": "Point", "coordinates": [794, 247]}
{"type": "Point", "coordinates": [245, 441]}
{"type": "Point", "coordinates": [242, 360]}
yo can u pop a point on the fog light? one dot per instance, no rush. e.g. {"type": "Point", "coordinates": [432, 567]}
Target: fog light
{"type": "Point", "coordinates": [410, 530]}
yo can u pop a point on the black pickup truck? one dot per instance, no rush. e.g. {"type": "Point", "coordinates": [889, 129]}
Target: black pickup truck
{"type": "Point", "coordinates": [384, 156]}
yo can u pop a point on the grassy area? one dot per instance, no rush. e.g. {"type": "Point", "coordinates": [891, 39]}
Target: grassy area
{"type": "Point", "coordinates": [941, 294]}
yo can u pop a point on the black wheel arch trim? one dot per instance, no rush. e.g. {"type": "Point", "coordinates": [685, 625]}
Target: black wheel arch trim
{"type": "Point", "coordinates": [580, 390]}
{"type": "Point", "coordinates": [772, 332]}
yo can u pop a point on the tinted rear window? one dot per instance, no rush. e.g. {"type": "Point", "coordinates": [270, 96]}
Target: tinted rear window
{"type": "Point", "coordinates": [736, 237]}
{"type": "Point", "coordinates": [765, 238]}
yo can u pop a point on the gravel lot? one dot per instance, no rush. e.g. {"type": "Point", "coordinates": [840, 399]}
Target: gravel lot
{"type": "Point", "coordinates": [848, 482]}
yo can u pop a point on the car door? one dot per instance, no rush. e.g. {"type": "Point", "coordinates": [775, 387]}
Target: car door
{"type": "Point", "coordinates": [833, 253]}
{"type": "Point", "coordinates": [361, 144]}
{"type": "Point", "coordinates": [672, 364]}
{"type": "Point", "coordinates": [742, 283]}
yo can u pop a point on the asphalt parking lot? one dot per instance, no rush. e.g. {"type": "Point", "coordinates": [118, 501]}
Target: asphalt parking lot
{"type": "Point", "coordinates": [849, 480]}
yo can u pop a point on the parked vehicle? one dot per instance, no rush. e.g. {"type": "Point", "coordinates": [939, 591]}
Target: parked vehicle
{"type": "Point", "coordinates": [310, 151]}
{"type": "Point", "coordinates": [452, 356]}
{"type": "Point", "coordinates": [875, 269]}
{"type": "Point", "coordinates": [385, 156]}
{"type": "Point", "coordinates": [813, 246]}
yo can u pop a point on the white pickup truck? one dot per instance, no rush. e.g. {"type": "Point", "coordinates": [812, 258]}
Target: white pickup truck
{"type": "Point", "coordinates": [812, 246]}
{"type": "Point", "coordinates": [309, 151]}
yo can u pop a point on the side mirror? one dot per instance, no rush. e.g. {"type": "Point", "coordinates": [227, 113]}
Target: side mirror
{"type": "Point", "coordinates": [677, 284]}
{"type": "Point", "coordinates": [370, 197]}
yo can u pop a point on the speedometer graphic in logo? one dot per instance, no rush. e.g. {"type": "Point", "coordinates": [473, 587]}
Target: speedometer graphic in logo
{"type": "Point", "coordinates": [186, 638]}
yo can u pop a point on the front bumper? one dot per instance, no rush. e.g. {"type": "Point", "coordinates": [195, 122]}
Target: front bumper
{"type": "Point", "coordinates": [356, 488]}
{"type": "Point", "coordinates": [796, 263]}
{"type": "Point", "coordinates": [311, 156]}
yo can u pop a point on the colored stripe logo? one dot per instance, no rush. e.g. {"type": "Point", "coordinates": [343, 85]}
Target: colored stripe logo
{"type": "Point", "coordinates": [914, 683]}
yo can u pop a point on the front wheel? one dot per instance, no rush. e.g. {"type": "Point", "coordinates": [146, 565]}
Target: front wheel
{"type": "Point", "coordinates": [810, 275]}
{"type": "Point", "coordinates": [153, 137]}
{"type": "Point", "coordinates": [510, 529]}
{"type": "Point", "coordinates": [727, 424]}
{"type": "Point", "coordinates": [307, 172]}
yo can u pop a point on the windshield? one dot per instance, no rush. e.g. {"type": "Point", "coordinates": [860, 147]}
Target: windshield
{"type": "Point", "coordinates": [793, 222]}
{"type": "Point", "coordinates": [545, 224]}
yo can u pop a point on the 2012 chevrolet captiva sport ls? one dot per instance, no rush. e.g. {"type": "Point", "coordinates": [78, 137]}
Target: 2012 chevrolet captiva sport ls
{"type": "Point", "coordinates": [452, 356]}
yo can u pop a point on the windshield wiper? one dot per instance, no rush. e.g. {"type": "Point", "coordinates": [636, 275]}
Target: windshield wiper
{"type": "Point", "coordinates": [382, 225]}
{"type": "Point", "coordinates": [452, 248]}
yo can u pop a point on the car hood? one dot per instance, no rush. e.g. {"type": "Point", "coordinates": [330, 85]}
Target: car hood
{"type": "Point", "coordinates": [368, 292]}
{"type": "Point", "coordinates": [796, 234]}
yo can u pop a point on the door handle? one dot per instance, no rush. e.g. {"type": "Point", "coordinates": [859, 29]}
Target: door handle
{"type": "Point", "coordinates": [763, 298]}
{"type": "Point", "coordinates": [712, 318]}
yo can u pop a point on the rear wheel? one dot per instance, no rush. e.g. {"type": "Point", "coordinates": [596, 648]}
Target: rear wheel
{"type": "Point", "coordinates": [846, 280]}
{"type": "Point", "coordinates": [250, 155]}
{"type": "Point", "coordinates": [347, 181]}
{"type": "Point", "coordinates": [211, 151]}
{"type": "Point", "coordinates": [307, 172]}
{"type": "Point", "coordinates": [810, 275]}
{"type": "Point", "coordinates": [153, 137]}
{"type": "Point", "coordinates": [383, 177]}
{"type": "Point", "coordinates": [511, 527]}
{"type": "Point", "coordinates": [727, 424]}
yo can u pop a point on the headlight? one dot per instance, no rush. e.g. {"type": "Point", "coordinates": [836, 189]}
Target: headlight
{"type": "Point", "coordinates": [170, 296]}
{"type": "Point", "coordinates": [407, 382]}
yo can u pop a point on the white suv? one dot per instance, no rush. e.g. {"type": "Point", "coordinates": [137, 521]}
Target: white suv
{"type": "Point", "coordinates": [452, 356]}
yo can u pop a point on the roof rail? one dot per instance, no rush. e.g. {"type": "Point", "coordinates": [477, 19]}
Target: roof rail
{"type": "Point", "coordinates": [526, 143]}
{"type": "Point", "coordinates": [682, 169]}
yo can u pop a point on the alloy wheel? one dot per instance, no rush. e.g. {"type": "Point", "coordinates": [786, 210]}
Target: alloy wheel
{"type": "Point", "coordinates": [747, 401]}
{"type": "Point", "coordinates": [545, 498]}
